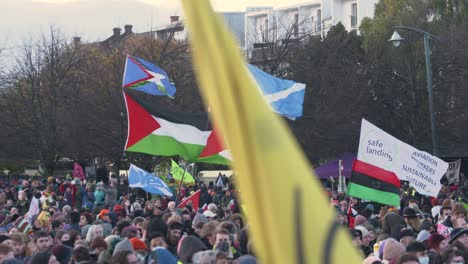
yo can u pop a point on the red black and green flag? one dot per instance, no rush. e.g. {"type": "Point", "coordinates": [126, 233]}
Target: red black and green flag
{"type": "Point", "coordinates": [374, 184]}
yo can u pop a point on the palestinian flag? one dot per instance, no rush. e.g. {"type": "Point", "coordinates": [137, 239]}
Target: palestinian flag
{"type": "Point", "coordinates": [375, 184]}
{"type": "Point", "coordinates": [154, 130]}
{"type": "Point", "coordinates": [194, 199]}
{"type": "Point", "coordinates": [143, 76]}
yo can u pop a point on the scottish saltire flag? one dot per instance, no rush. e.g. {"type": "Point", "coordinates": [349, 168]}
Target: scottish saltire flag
{"type": "Point", "coordinates": [146, 77]}
{"type": "Point", "coordinates": [139, 178]}
{"type": "Point", "coordinates": [286, 97]}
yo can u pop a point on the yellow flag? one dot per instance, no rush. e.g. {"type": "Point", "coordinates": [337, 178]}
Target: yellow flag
{"type": "Point", "coordinates": [179, 174]}
{"type": "Point", "coordinates": [290, 218]}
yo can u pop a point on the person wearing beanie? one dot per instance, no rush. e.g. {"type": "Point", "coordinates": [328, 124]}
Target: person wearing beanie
{"type": "Point", "coordinates": [189, 245]}
{"type": "Point", "coordinates": [199, 218]}
{"type": "Point", "coordinates": [359, 220]}
{"type": "Point", "coordinates": [392, 249]}
{"type": "Point", "coordinates": [423, 236]}
{"type": "Point", "coordinates": [123, 245]}
{"type": "Point", "coordinates": [365, 240]}
{"type": "Point", "coordinates": [372, 233]}
{"type": "Point", "coordinates": [138, 246]}
{"type": "Point", "coordinates": [62, 253]}
{"type": "Point", "coordinates": [131, 232]}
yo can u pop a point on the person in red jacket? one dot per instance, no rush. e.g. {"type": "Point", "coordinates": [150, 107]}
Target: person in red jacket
{"type": "Point", "coordinates": [69, 192]}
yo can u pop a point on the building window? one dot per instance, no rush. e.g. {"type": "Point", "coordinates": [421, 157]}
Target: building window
{"type": "Point", "coordinates": [265, 31]}
{"type": "Point", "coordinates": [318, 26]}
{"type": "Point", "coordinates": [296, 25]}
{"type": "Point", "coordinates": [312, 23]}
{"type": "Point", "coordinates": [354, 15]}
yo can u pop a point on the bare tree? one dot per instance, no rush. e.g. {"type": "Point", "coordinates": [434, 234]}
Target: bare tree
{"type": "Point", "coordinates": [36, 101]}
{"type": "Point", "coordinates": [277, 37]}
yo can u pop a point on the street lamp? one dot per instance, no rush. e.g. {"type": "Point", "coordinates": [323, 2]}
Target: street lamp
{"type": "Point", "coordinates": [396, 40]}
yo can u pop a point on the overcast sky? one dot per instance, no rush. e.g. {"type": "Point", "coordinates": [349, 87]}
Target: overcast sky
{"type": "Point", "coordinates": [94, 19]}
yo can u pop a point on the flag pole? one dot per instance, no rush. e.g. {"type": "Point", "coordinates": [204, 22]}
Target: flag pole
{"type": "Point", "coordinates": [182, 180]}
{"type": "Point", "coordinates": [180, 185]}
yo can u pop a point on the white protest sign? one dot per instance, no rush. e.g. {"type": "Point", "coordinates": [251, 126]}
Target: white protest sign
{"type": "Point", "coordinates": [453, 171]}
{"type": "Point", "coordinates": [422, 170]}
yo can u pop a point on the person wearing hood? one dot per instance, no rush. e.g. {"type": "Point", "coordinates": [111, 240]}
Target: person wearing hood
{"type": "Point", "coordinates": [188, 246]}
{"type": "Point", "coordinates": [391, 221]}
{"type": "Point", "coordinates": [161, 255]}
{"type": "Point", "coordinates": [99, 197]}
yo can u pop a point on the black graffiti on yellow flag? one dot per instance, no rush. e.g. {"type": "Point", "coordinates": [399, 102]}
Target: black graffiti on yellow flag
{"type": "Point", "coordinates": [298, 225]}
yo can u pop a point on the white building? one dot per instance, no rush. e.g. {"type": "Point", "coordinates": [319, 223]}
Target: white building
{"type": "Point", "coordinates": [234, 20]}
{"type": "Point", "coordinates": [266, 24]}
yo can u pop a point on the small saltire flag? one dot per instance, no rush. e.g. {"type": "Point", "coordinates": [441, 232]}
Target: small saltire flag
{"type": "Point", "coordinates": [374, 184]}
{"type": "Point", "coordinates": [286, 97]}
{"type": "Point", "coordinates": [154, 130]}
{"type": "Point", "coordinates": [283, 206]}
{"type": "Point", "coordinates": [146, 77]}
{"type": "Point", "coordinates": [139, 178]}
{"type": "Point", "coordinates": [78, 171]}
{"type": "Point", "coordinates": [181, 175]}
{"type": "Point", "coordinates": [194, 199]}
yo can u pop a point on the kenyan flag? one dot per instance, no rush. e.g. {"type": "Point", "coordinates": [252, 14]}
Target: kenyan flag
{"type": "Point", "coordinates": [375, 184]}
{"type": "Point", "coordinates": [154, 130]}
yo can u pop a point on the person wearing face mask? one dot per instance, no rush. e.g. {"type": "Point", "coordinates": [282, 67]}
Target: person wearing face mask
{"type": "Point", "coordinates": [419, 250]}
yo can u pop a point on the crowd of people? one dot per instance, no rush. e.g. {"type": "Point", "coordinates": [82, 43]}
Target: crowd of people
{"type": "Point", "coordinates": [421, 230]}
{"type": "Point", "coordinates": [64, 220]}
{"type": "Point", "coordinates": [68, 221]}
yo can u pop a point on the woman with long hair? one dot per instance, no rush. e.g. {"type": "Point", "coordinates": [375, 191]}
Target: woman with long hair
{"type": "Point", "coordinates": [93, 232]}
{"type": "Point", "coordinates": [128, 206]}
{"type": "Point", "coordinates": [149, 206]}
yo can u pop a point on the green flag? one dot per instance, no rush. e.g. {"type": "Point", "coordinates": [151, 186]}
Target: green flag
{"type": "Point", "coordinates": [178, 173]}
